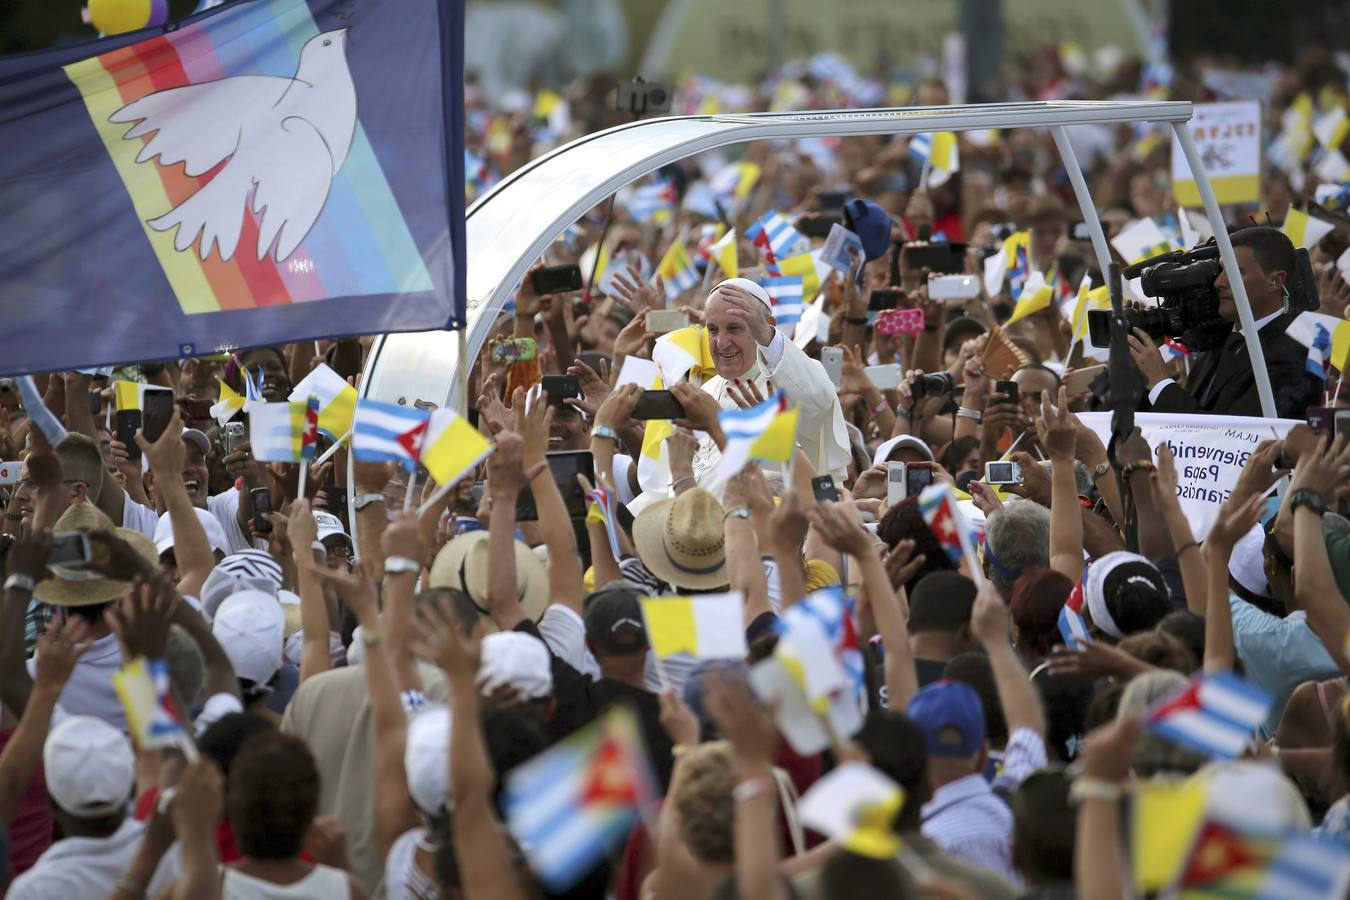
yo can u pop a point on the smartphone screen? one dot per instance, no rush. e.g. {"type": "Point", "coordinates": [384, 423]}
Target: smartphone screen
{"type": "Point", "coordinates": [658, 405]}
{"type": "Point", "coordinates": [69, 548]}
{"type": "Point", "coordinates": [561, 387]}
{"type": "Point", "coordinates": [822, 487]}
{"type": "Point", "coordinates": [564, 466]}
{"type": "Point", "coordinates": [128, 422]}
{"type": "Point", "coordinates": [883, 299]}
{"type": "Point", "coordinates": [557, 279]}
{"type": "Point", "coordinates": [938, 259]}
{"type": "Point", "coordinates": [262, 505]}
{"type": "Point", "coordinates": [1007, 388]}
{"type": "Point", "coordinates": [918, 476]}
{"type": "Point", "coordinates": [157, 409]}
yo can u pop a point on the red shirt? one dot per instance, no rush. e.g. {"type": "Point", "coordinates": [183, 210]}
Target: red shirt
{"type": "Point", "coordinates": [30, 832]}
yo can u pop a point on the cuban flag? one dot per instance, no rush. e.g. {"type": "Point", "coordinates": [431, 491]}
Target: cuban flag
{"type": "Point", "coordinates": [773, 235]}
{"type": "Point", "coordinates": [1071, 623]}
{"type": "Point", "coordinates": [309, 438]}
{"type": "Point", "coordinates": [786, 293]}
{"type": "Point", "coordinates": [938, 506]}
{"type": "Point", "coordinates": [1175, 350]}
{"type": "Point", "coordinates": [387, 431]}
{"type": "Point", "coordinates": [1319, 354]}
{"type": "Point", "coordinates": [1214, 714]}
{"type": "Point", "coordinates": [650, 201]}
{"type": "Point", "coordinates": [831, 611]}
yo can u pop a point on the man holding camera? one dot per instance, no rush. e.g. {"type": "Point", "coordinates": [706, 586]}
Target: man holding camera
{"type": "Point", "coordinates": [1221, 381]}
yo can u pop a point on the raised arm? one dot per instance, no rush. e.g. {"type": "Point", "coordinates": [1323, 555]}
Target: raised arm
{"type": "Point", "coordinates": [191, 548]}
{"type": "Point", "coordinates": [57, 652]}
{"type": "Point", "coordinates": [788, 526]}
{"type": "Point", "coordinates": [1057, 428]}
{"type": "Point", "coordinates": [1092, 453]}
{"type": "Point", "coordinates": [314, 625]}
{"type": "Point", "coordinates": [1189, 558]}
{"type": "Point", "coordinates": [745, 572]}
{"type": "Point", "coordinates": [198, 802]}
{"type": "Point", "coordinates": [505, 478]}
{"type": "Point", "coordinates": [1319, 474]}
{"type": "Point", "coordinates": [564, 561]}
{"type": "Point", "coordinates": [27, 562]}
{"type": "Point", "coordinates": [989, 621]}
{"type": "Point", "coordinates": [402, 540]}
{"type": "Point", "coordinates": [1098, 854]}
{"type": "Point", "coordinates": [1233, 522]}
{"type": "Point", "coordinates": [486, 869]}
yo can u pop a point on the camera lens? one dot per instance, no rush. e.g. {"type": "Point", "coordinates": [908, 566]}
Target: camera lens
{"type": "Point", "coordinates": [657, 97]}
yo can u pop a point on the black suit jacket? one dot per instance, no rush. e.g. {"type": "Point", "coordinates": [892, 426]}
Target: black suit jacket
{"type": "Point", "coordinates": [1233, 392]}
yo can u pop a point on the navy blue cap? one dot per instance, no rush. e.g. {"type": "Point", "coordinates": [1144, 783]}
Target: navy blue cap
{"type": "Point", "coordinates": [872, 226]}
{"type": "Point", "coordinates": [951, 717]}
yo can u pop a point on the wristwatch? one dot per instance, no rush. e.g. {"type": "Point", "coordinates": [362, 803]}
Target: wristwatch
{"type": "Point", "coordinates": [604, 431]}
{"type": "Point", "coordinates": [396, 565]}
{"type": "Point", "coordinates": [737, 512]}
{"type": "Point", "coordinates": [1100, 469]}
{"type": "Point", "coordinates": [1309, 498]}
{"type": "Point", "coordinates": [20, 582]}
{"type": "Point", "coordinates": [966, 412]}
{"type": "Point", "coordinates": [363, 500]}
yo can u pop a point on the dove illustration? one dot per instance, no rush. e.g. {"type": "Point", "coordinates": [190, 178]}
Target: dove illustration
{"type": "Point", "coordinates": [282, 140]}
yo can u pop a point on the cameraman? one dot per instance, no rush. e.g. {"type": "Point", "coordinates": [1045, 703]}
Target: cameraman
{"type": "Point", "coordinates": [1221, 381]}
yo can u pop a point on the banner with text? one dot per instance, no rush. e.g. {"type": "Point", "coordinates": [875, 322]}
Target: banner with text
{"type": "Point", "coordinates": [1228, 139]}
{"type": "Point", "coordinates": [1210, 452]}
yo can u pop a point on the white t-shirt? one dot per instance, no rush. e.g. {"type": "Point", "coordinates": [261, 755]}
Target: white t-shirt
{"type": "Point", "coordinates": [225, 507]}
{"type": "Point", "coordinates": [139, 518]}
{"type": "Point", "coordinates": [90, 691]}
{"type": "Point", "coordinates": [90, 867]}
{"type": "Point", "coordinates": [402, 879]}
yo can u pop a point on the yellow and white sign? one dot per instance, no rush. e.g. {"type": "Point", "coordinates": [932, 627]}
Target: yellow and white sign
{"type": "Point", "coordinates": [1228, 138]}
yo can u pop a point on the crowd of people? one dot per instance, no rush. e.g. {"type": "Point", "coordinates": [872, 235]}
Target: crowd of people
{"type": "Point", "coordinates": [361, 724]}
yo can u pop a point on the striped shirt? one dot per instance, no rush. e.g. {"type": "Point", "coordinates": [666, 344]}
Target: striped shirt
{"type": "Point", "coordinates": [970, 821]}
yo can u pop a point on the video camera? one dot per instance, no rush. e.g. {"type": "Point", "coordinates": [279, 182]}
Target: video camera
{"type": "Point", "coordinates": [1188, 301]}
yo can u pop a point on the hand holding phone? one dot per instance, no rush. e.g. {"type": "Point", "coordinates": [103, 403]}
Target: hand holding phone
{"type": "Point", "coordinates": [262, 506]}
{"type": "Point", "coordinates": [832, 358]}
{"type": "Point", "coordinates": [556, 279]}
{"type": "Point", "coordinates": [658, 405]}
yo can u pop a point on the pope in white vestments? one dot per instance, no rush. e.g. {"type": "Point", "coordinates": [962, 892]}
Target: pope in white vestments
{"type": "Point", "coordinates": [747, 347]}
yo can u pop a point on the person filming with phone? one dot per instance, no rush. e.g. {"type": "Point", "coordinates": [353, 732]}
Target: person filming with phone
{"type": "Point", "coordinates": [1221, 380]}
{"type": "Point", "coordinates": [754, 359]}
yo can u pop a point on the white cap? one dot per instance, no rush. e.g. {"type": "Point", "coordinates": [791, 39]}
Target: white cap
{"type": "Point", "coordinates": [239, 571]}
{"type": "Point", "coordinates": [1247, 564]}
{"type": "Point", "coordinates": [215, 535]}
{"type": "Point", "coordinates": [251, 628]}
{"type": "Point", "coordinates": [1256, 795]}
{"type": "Point", "coordinates": [426, 758]}
{"type": "Point", "coordinates": [329, 525]}
{"type": "Point", "coordinates": [898, 443]}
{"type": "Point", "coordinates": [89, 767]}
{"type": "Point", "coordinates": [516, 659]}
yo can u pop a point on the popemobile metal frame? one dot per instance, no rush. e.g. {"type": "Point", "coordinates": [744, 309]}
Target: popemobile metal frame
{"type": "Point", "coordinates": [511, 226]}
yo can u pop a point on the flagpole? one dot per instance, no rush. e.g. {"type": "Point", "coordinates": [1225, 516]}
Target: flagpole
{"type": "Point", "coordinates": [337, 445]}
{"type": "Point", "coordinates": [923, 175]}
{"type": "Point", "coordinates": [412, 489]}
{"type": "Point", "coordinates": [351, 506]}
{"type": "Point", "coordinates": [304, 477]}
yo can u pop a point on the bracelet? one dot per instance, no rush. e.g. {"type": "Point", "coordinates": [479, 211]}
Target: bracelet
{"type": "Point", "coordinates": [879, 408]}
{"type": "Point", "coordinates": [361, 501]}
{"type": "Point", "coordinates": [131, 886]}
{"type": "Point", "coordinates": [1085, 787]}
{"type": "Point", "coordinates": [535, 471]}
{"type": "Point", "coordinates": [748, 790]}
{"type": "Point", "coordinates": [1100, 469]}
{"type": "Point", "coordinates": [966, 412]}
{"type": "Point", "coordinates": [737, 512]}
{"type": "Point", "coordinates": [856, 320]}
{"type": "Point", "coordinates": [20, 582]}
{"type": "Point", "coordinates": [398, 565]}
{"type": "Point", "coordinates": [370, 638]}
{"type": "Point", "coordinates": [1189, 545]}
{"type": "Point", "coordinates": [1142, 466]}
{"type": "Point", "coordinates": [674, 485]}
{"type": "Point", "coordinates": [679, 750]}
{"type": "Point", "coordinates": [604, 431]}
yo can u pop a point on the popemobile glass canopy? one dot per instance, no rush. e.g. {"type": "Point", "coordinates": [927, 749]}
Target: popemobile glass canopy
{"type": "Point", "coordinates": [511, 226]}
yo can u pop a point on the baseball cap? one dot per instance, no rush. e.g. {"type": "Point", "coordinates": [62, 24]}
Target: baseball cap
{"type": "Point", "coordinates": [329, 525]}
{"type": "Point", "coordinates": [215, 535]}
{"type": "Point", "coordinates": [89, 767]}
{"type": "Point", "coordinates": [198, 438]}
{"type": "Point", "coordinates": [518, 660]}
{"type": "Point", "coordinates": [251, 628]}
{"type": "Point", "coordinates": [890, 445]}
{"type": "Point", "coordinates": [236, 572]}
{"type": "Point", "coordinates": [951, 717]}
{"type": "Point", "coordinates": [871, 224]}
{"type": "Point", "coordinates": [426, 758]}
{"type": "Point", "coordinates": [614, 620]}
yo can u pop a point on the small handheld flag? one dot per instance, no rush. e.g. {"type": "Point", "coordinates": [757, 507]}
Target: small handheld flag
{"type": "Point", "coordinates": [785, 291]}
{"type": "Point", "coordinates": [940, 511]}
{"type": "Point", "coordinates": [309, 439]}
{"type": "Point", "coordinates": [573, 803]}
{"type": "Point", "coordinates": [153, 716]}
{"type": "Point", "coordinates": [855, 805]}
{"type": "Point", "coordinates": [386, 431]}
{"type": "Point", "coordinates": [600, 508]}
{"type": "Point", "coordinates": [38, 413]}
{"type": "Point", "coordinates": [1214, 714]}
{"type": "Point", "coordinates": [228, 406]}
{"type": "Point", "coordinates": [773, 235]}
{"type": "Point", "coordinates": [677, 271]}
{"type": "Point", "coordinates": [337, 399]}
{"type": "Point", "coordinates": [707, 626]}
{"type": "Point", "coordinates": [276, 431]}
{"type": "Point", "coordinates": [766, 431]}
{"type": "Point", "coordinates": [1071, 623]}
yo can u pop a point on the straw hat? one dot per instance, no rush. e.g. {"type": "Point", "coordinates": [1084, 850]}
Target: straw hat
{"type": "Point", "coordinates": [682, 542]}
{"type": "Point", "coordinates": [463, 564]}
{"type": "Point", "coordinates": [79, 586]}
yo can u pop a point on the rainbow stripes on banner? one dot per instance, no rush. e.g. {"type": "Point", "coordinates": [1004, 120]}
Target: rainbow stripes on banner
{"type": "Point", "coordinates": [218, 177]}
{"type": "Point", "coordinates": [359, 245]}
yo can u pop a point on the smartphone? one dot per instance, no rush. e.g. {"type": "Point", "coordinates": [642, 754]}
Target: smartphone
{"type": "Point", "coordinates": [658, 405]}
{"type": "Point", "coordinates": [953, 287]}
{"type": "Point", "coordinates": [126, 422]}
{"type": "Point", "coordinates": [1002, 472]}
{"type": "Point", "coordinates": [157, 410]}
{"type": "Point", "coordinates": [95, 403]}
{"type": "Point", "coordinates": [557, 279]}
{"type": "Point", "coordinates": [11, 472]}
{"type": "Point", "coordinates": [514, 350]}
{"type": "Point", "coordinates": [822, 487]}
{"type": "Point", "coordinates": [816, 226]}
{"type": "Point", "coordinates": [896, 489]}
{"type": "Point", "coordinates": [564, 465]}
{"type": "Point", "coordinates": [561, 387]}
{"type": "Point", "coordinates": [883, 299]}
{"type": "Point", "coordinates": [941, 259]}
{"type": "Point", "coordinates": [918, 476]}
{"type": "Point", "coordinates": [1322, 420]}
{"type": "Point", "coordinates": [1008, 389]}
{"type": "Point", "coordinates": [885, 378]}
{"type": "Point", "coordinates": [1099, 327]}
{"type": "Point", "coordinates": [232, 435]}
{"type": "Point", "coordinates": [1078, 381]}
{"type": "Point", "coordinates": [664, 321]}
{"type": "Point", "coordinates": [832, 358]}
{"type": "Point", "coordinates": [1343, 423]}
{"type": "Point", "coordinates": [1078, 231]}
{"type": "Point", "coordinates": [593, 358]}
{"type": "Point", "coordinates": [262, 505]}
{"type": "Point", "coordinates": [70, 548]}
